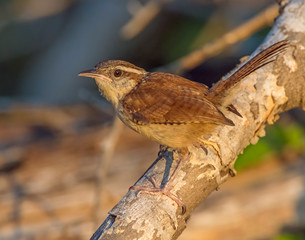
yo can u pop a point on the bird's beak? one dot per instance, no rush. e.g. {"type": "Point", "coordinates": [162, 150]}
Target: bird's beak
{"type": "Point", "coordinates": [93, 74]}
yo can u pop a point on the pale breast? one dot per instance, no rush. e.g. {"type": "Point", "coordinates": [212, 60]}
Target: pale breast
{"type": "Point", "coordinates": [175, 136]}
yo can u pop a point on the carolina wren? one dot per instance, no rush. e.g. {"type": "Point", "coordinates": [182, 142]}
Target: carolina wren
{"type": "Point", "coordinates": [170, 109]}
{"type": "Point", "coordinates": [167, 108]}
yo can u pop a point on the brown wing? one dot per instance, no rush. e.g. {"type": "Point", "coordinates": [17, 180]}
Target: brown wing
{"type": "Point", "coordinates": [171, 100]}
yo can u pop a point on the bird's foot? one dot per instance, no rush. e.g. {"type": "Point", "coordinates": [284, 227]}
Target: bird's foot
{"type": "Point", "coordinates": [202, 144]}
{"type": "Point", "coordinates": [165, 190]}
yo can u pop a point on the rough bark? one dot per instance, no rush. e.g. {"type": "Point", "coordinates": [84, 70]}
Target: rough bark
{"type": "Point", "coordinates": [260, 98]}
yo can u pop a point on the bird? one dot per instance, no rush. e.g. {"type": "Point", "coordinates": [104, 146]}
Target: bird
{"type": "Point", "coordinates": [169, 109]}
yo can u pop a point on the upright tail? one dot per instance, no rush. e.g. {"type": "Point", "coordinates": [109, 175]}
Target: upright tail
{"type": "Point", "coordinates": [266, 56]}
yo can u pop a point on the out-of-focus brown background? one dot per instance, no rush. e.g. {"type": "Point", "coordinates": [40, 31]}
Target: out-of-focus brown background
{"type": "Point", "coordinates": [56, 131]}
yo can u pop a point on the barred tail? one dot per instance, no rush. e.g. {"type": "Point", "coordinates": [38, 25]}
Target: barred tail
{"type": "Point", "coordinates": [266, 56]}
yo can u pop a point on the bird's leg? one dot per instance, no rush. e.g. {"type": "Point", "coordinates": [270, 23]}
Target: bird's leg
{"type": "Point", "coordinates": [203, 142]}
{"type": "Point", "coordinates": [162, 149]}
{"type": "Point", "coordinates": [165, 189]}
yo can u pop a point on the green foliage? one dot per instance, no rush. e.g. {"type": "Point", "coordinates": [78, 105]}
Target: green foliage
{"type": "Point", "coordinates": [289, 237]}
{"type": "Point", "coordinates": [253, 155]}
{"type": "Point", "coordinates": [180, 38]}
{"type": "Point", "coordinates": [278, 138]}
{"type": "Point", "coordinates": [291, 135]}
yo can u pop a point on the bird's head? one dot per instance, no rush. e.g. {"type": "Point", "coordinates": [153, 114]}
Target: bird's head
{"type": "Point", "coordinates": [115, 78]}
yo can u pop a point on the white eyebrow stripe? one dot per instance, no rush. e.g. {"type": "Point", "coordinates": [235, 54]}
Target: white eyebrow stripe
{"type": "Point", "coordinates": [129, 69]}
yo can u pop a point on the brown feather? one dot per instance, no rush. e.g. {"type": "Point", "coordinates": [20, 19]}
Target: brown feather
{"type": "Point", "coordinates": [171, 100]}
{"type": "Point", "coordinates": [264, 57]}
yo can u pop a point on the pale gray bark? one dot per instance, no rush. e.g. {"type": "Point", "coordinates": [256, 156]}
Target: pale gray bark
{"type": "Point", "coordinates": [260, 98]}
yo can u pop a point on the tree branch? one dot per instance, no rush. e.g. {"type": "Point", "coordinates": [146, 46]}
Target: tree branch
{"type": "Point", "coordinates": [260, 97]}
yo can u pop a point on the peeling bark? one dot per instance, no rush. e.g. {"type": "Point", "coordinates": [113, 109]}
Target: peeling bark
{"type": "Point", "coordinates": [260, 98]}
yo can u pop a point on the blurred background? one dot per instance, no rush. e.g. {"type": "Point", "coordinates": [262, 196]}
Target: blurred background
{"type": "Point", "coordinates": [64, 160]}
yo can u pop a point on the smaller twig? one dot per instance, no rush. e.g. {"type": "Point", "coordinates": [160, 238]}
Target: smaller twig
{"type": "Point", "coordinates": [107, 148]}
{"type": "Point", "coordinates": [142, 18]}
{"type": "Point", "coordinates": [133, 6]}
{"type": "Point", "coordinates": [211, 49]}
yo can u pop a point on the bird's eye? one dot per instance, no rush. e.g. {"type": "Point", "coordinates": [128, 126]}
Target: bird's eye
{"type": "Point", "coordinates": [117, 73]}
